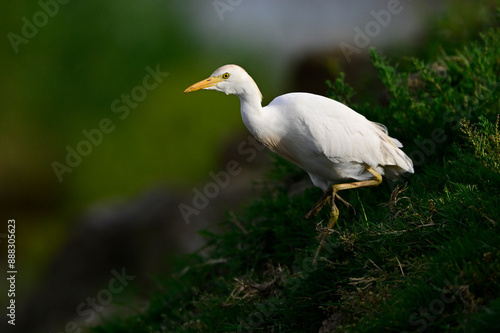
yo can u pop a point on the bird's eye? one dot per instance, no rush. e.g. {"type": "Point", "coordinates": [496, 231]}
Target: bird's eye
{"type": "Point", "coordinates": [225, 76]}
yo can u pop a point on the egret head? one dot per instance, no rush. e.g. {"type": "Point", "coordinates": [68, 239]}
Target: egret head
{"type": "Point", "coordinates": [229, 79]}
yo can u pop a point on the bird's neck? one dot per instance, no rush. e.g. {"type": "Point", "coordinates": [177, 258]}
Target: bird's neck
{"type": "Point", "coordinates": [252, 114]}
{"type": "Point", "coordinates": [251, 104]}
{"type": "Point", "coordinates": [250, 96]}
{"type": "Point", "coordinates": [251, 101]}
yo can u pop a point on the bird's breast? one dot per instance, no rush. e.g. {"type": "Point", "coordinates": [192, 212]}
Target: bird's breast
{"type": "Point", "coordinates": [276, 144]}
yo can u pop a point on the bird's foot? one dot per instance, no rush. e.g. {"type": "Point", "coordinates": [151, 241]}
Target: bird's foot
{"type": "Point", "coordinates": [348, 205]}
{"type": "Point", "coordinates": [327, 196]}
{"type": "Point", "coordinates": [325, 232]}
{"type": "Point", "coordinates": [320, 204]}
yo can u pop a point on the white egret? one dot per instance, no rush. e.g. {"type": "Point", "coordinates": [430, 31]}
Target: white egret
{"type": "Point", "coordinates": [339, 148]}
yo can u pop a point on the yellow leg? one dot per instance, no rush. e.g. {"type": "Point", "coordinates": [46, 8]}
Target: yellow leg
{"type": "Point", "coordinates": [319, 205]}
{"type": "Point", "coordinates": [331, 223]}
{"type": "Point", "coordinates": [327, 195]}
{"type": "Point", "coordinates": [332, 193]}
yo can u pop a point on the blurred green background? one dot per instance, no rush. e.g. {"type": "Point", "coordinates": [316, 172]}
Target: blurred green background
{"type": "Point", "coordinates": [64, 79]}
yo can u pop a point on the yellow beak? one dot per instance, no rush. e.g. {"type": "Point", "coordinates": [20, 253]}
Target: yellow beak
{"type": "Point", "coordinates": [203, 84]}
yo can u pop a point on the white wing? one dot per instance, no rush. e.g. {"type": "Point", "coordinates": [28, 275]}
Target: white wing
{"type": "Point", "coordinates": [331, 141]}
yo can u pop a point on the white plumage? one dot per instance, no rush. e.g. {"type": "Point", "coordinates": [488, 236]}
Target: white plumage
{"type": "Point", "coordinates": [339, 148]}
{"type": "Point", "coordinates": [330, 141]}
